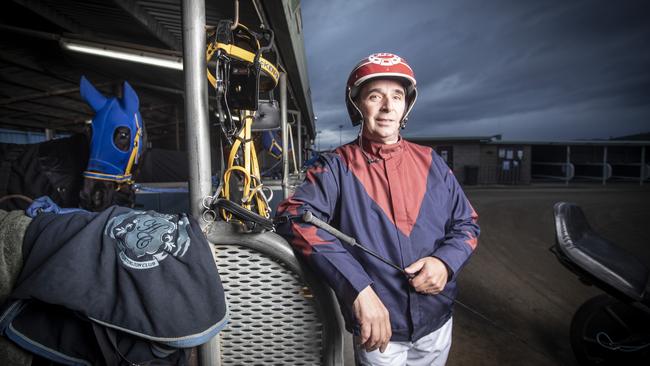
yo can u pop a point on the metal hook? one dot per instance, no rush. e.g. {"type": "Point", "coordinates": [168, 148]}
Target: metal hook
{"type": "Point", "coordinates": [236, 23]}
{"type": "Point", "coordinates": [209, 216]}
{"type": "Point", "coordinates": [210, 200]}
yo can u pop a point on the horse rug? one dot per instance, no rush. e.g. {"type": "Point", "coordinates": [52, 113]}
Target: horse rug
{"type": "Point", "coordinates": [118, 286]}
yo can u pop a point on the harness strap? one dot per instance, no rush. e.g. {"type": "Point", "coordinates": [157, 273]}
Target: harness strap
{"type": "Point", "coordinates": [109, 177]}
{"type": "Point", "coordinates": [133, 159]}
{"type": "Point", "coordinates": [274, 144]}
{"type": "Point", "coordinates": [250, 171]}
{"type": "Point", "coordinates": [244, 140]}
{"type": "Point", "coordinates": [225, 42]}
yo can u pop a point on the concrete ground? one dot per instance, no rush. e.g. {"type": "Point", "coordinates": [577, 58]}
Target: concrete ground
{"type": "Point", "coordinates": [517, 282]}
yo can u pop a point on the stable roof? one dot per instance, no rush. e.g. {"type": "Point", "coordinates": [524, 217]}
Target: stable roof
{"type": "Point", "coordinates": [39, 81]}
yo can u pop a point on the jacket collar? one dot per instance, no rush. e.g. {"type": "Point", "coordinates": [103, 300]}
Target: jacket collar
{"type": "Point", "coordinates": [382, 151]}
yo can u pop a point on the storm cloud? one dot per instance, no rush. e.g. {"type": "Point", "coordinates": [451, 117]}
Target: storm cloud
{"type": "Point", "coordinates": [531, 70]}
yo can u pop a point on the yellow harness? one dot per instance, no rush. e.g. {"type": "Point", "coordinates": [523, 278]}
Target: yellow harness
{"type": "Point", "coordinates": [253, 197]}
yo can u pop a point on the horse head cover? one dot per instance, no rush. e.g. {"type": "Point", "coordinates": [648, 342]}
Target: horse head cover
{"type": "Point", "coordinates": [107, 161]}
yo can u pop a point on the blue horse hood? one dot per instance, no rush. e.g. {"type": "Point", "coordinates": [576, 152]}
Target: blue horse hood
{"type": "Point", "coordinates": [107, 161]}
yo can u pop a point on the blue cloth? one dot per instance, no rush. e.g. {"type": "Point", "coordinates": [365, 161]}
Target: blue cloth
{"type": "Point", "coordinates": [272, 143]}
{"type": "Point", "coordinates": [45, 204]}
{"type": "Point", "coordinates": [402, 202]}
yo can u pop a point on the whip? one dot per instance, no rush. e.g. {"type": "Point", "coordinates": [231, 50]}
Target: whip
{"type": "Point", "coordinates": [308, 217]}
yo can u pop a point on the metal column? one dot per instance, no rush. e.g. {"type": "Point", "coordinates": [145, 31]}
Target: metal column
{"type": "Point", "coordinates": [197, 129]}
{"type": "Point", "coordinates": [604, 164]}
{"type": "Point", "coordinates": [299, 133]}
{"type": "Point", "coordinates": [285, 135]}
{"type": "Point", "coordinates": [49, 134]}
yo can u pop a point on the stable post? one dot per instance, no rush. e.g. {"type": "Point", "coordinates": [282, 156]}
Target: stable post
{"type": "Point", "coordinates": [285, 135]}
{"type": "Point", "coordinates": [299, 133]}
{"type": "Point", "coordinates": [197, 128]}
{"type": "Point", "coordinates": [49, 134]}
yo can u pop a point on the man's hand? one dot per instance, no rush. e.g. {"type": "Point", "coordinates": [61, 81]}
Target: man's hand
{"type": "Point", "coordinates": [374, 320]}
{"type": "Point", "coordinates": [430, 275]}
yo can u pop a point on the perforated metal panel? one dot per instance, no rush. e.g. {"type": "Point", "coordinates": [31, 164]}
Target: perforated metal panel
{"type": "Point", "coordinates": [271, 322]}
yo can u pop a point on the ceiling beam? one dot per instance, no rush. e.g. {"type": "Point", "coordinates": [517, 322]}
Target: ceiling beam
{"type": "Point", "coordinates": [53, 16]}
{"type": "Point", "coordinates": [21, 124]}
{"type": "Point", "coordinates": [64, 117]}
{"type": "Point", "coordinates": [149, 22]}
{"type": "Point", "coordinates": [29, 107]}
{"type": "Point", "coordinates": [11, 80]}
{"type": "Point", "coordinates": [45, 94]}
{"type": "Point", "coordinates": [30, 65]}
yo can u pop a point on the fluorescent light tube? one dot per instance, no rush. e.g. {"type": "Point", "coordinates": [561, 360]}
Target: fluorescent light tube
{"type": "Point", "coordinates": [123, 53]}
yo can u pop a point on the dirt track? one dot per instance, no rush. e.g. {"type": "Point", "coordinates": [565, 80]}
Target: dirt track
{"type": "Point", "coordinates": [515, 280]}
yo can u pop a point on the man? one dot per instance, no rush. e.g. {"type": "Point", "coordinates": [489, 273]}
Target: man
{"type": "Point", "coordinates": [398, 199]}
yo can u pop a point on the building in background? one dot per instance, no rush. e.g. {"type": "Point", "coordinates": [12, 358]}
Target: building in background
{"type": "Point", "coordinates": [488, 160]}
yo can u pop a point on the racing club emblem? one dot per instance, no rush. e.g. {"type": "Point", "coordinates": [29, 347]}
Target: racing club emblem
{"type": "Point", "coordinates": [144, 239]}
{"type": "Point", "coordinates": [384, 59]}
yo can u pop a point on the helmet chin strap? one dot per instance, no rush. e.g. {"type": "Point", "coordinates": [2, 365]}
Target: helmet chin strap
{"type": "Point", "coordinates": [402, 124]}
{"type": "Point", "coordinates": [369, 160]}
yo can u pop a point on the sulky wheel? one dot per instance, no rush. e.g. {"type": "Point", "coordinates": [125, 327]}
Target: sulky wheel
{"type": "Point", "coordinates": [606, 331]}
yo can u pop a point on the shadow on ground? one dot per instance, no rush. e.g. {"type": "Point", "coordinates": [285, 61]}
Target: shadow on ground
{"type": "Point", "coordinates": [514, 280]}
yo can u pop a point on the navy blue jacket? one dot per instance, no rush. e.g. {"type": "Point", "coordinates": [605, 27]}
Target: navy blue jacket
{"type": "Point", "coordinates": [405, 205]}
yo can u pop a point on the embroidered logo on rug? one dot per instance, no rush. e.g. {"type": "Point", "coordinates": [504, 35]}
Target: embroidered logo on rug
{"type": "Point", "coordinates": [144, 239]}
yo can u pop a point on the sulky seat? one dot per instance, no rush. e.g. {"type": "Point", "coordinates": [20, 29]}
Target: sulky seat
{"type": "Point", "coordinates": [594, 258]}
{"type": "Point", "coordinates": [280, 314]}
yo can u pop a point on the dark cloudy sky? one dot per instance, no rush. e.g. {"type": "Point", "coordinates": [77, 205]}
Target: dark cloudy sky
{"type": "Point", "coordinates": [533, 70]}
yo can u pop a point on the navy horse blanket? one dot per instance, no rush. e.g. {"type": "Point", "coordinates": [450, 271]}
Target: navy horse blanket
{"type": "Point", "coordinates": [116, 287]}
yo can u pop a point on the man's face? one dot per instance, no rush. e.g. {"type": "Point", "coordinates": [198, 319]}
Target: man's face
{"type": "Point", "coordinates": [382, 103]}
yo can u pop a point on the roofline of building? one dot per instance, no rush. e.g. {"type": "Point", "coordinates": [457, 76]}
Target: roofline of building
{"type": "Point", "coordinates": [575, 142]}
{"type": "Point", "coordinates": [286, 20]}
{"type": "Point", "coordinates": [496, 140]}
{"type": "Point", "coordinates": [454, 138]}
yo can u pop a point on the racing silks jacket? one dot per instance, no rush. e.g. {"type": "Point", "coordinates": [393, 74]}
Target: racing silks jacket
{"type": "Point", "coordinates": [401, 201]}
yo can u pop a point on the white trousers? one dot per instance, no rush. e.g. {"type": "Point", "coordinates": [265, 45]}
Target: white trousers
{"type": "Point", "coordinates": [430, 350]}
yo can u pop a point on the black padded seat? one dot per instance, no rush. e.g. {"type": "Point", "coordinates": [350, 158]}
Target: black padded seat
{"type": "Point", "coordinates": [596, 255]}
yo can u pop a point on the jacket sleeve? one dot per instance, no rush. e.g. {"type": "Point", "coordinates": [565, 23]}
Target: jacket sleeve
{"type": "Point", "coordinates": [319, 193]}
{"type": "Point", "coordinates": [462, 231]}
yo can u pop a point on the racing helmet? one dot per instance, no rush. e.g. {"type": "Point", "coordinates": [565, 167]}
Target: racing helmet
{"type": "Point", "coordinates": [380, 65]}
